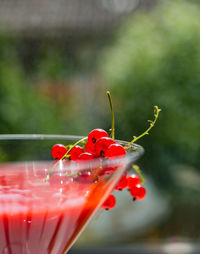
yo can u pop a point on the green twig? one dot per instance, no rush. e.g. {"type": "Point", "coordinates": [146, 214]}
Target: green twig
{"type": "Point", "coordinates": [152, 123]}
{"type": "Point", "coordinates": [75, 144]}
{"type": "Point", "coordinates": [65, 156]}
{"type": "Point", "coordinates": [139, 172]}
{"type": "Point", "coordinates": [112, 114]}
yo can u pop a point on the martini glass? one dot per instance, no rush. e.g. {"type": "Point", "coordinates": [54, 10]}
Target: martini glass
{"type": "Point", "coordinates": [45, 205]}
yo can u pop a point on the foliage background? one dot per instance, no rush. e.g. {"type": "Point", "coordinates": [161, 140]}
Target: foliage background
{"type": "Point", "coordinates": [155, 61]}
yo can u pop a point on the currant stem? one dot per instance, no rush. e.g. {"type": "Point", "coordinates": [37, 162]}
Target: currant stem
{"type": "Point", "coordinates": [65, 156]}
{"type": "Point", "coordinates": [75, 144]}
{"type": "Point", "coordinates": [152, 123]}
{"type": "Point", "coordinates": [138, 171]}
{"type": "Point", "coordinates": [112, 114]}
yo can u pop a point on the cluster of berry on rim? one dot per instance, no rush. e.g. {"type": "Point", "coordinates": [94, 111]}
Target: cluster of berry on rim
{"type": "Point", "coordinates": [99, 145]}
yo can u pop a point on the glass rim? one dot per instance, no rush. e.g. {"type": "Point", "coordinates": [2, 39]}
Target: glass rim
{"type": "Point", "coordinates": [137, 150]}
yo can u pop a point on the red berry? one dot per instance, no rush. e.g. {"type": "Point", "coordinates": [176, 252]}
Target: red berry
{"type": "Point", "coordinates": [58, 151]}
{"type": "Point", "coordinates": [96, 134]}
{"type": "Point", "coordinates": [115, 150]}
{"type": "Point", "coordinates": [93, 136]}
{"type": "Point", "coordinates": [90, 148]}
{"type": "Point", "coordinates": [133, 180]}
{"type": "Point", "coordinates": [85, 156]}
{"type": "Point", "coordinates": [138, 192]}
{"type": "Point", "coordinates": [109, 203]}
{"type": "Point", "coordinates": [122, 184]}
{"type": "Point", "coordinates": [108, 170]}
{"type": "Point", "coordinates": [85, 177]}
{"type": "Point", "coordinates": [102, 144]}
{"type": "Point", "coordinates": [75, 152]}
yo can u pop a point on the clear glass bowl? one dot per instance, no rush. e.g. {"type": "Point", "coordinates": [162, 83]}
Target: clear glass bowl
{"type": "Point", "coordinates": [44, 205]}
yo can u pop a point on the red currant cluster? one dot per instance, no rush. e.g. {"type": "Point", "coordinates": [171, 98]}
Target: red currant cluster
{"type": "Point", "coordinates": [133, 183]}
{"type": "Point", "coordinates": [100, 145]}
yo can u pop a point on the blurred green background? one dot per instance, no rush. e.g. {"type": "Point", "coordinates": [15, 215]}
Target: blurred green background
{"type": "Point", "coordinates": [55, 68]}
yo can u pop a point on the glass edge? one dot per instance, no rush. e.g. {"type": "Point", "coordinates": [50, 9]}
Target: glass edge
{"type": "Point", "coordinates": [38, 137]}
{"type": "Point", "coordinates": [137, 150]}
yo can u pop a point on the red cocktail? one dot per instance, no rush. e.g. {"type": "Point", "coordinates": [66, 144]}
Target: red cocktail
{"type": "Point", "coordinates": [46, 216]}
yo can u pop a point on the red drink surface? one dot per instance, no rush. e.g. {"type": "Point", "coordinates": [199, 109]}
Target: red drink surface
{"type": "Point", "coordinates": [40, 217]}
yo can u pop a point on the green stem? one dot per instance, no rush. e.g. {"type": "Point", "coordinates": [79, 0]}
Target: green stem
{"type": "Point", "coordinates": [112, 114]}
{"type": "Point", "coordinates": [65, 156]}
{"type": "Point", "coordinates": [152, 123]}
{"type": "Point", "coordinates": [75, 144]}
{"type": "Point", "coordinates": [138, 171]}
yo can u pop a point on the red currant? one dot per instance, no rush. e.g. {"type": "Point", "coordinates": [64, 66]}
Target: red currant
{"type": "Point", "coordinates": [138, 192]}
{"type": "Point", "coordinates": [108, 170]}
{"type": "Point", "coordinates": [85, 156]}
{"type": "Point", "coordinates": [85, 177]}
{"type": "Point", "coordinates": [109, 203]}
{"type": "Point", "coordinates": [90, 148]}
{"type": "Point", "coordinates": [132, 181]}
{"type": "Point", "coordinates": [58, 151]}
{"type": "Point", "coordinates": [115, 150]}
{"type": "Point", "coordinates": [75, 152]}
{"type": "Point", "coordinates": [122, 184]}
{"type": "Point", "coordinates": [96, 134]}
{"type": "Point", "coordinates": [93, 136]}
{"type": "Point", "coordinates": [102, 144]}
